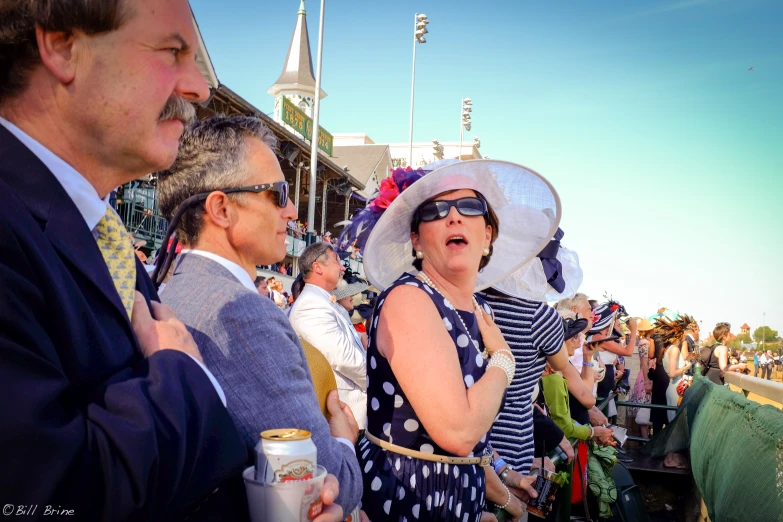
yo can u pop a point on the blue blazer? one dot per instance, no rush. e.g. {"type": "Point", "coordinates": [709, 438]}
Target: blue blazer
{"type": "Point", "coordinates": [87, 423]}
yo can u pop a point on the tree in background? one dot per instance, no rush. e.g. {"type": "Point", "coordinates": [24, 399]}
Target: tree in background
{"type": "Point", "coordinates": [737, 342]}
{"type": "Point", "coordinates": [766, 334]}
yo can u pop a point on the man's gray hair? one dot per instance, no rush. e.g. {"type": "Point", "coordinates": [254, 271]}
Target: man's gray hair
{"type": "Point", "coordinates": [310, 255]}
{"type": "Point", "coordinates": [212, 156]}
{"type": "Point", "coordinates": [571, 302]}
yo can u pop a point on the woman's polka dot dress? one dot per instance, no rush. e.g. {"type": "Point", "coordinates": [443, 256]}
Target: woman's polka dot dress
{"type": "Point", "coordinates": [400, 488]}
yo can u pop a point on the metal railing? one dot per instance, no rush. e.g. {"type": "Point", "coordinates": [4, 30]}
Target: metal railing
{"type": "Point", "coordinates": [137, 205]}
{"type": "Point", "coordinates": [770, 390]}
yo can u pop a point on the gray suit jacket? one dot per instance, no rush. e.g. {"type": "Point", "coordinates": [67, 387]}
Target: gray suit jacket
{"type": "Point", "coordinates": [250, 347]}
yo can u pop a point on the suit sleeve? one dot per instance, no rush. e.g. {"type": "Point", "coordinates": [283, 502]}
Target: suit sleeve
{"type": "Point", "coordinates": [141, 443]}
{"type": "Point", "coordinates": [323, 330]}
{"type": "Point", "coordinates": [268, 385]}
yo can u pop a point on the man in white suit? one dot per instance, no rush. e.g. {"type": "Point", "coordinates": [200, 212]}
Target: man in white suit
{"type": "Point", "coordinates": [317, 319]}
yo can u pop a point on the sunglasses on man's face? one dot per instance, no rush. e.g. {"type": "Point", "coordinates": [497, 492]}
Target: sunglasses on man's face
{"type": "Point", "coordinates": [280, 187]}
{"type": "Point", "coordinates": [439, 209]}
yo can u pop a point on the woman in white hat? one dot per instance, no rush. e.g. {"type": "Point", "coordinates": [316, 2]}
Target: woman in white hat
{"type": "Point", "coordinates": [438, 366]}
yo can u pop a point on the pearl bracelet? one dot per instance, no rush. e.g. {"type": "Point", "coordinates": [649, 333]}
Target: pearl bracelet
{"type": "Point", "coordinates": [508, 500]}
{"type": "Point", "coordinates": [505, 363]}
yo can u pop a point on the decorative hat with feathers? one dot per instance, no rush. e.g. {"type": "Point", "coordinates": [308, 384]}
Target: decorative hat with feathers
{"type": "Point", "coordinates": [673, 330]}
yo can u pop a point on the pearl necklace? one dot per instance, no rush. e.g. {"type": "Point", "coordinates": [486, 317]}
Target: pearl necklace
{"type": "Point", "coordinates": [427, 281]}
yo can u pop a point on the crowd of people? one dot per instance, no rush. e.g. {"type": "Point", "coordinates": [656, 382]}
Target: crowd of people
{"type": "Point", "coordinates": [435, 390]}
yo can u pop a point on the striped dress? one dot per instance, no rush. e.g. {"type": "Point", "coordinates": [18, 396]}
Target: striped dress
{"type": "Point", "coordinates": [532, 330]}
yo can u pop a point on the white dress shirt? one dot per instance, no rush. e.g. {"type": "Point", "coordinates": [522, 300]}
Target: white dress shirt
{"type": "Point", "coordinates": [85, 197]}
{"type": "Point", "coordinates": [236, 270]}
{"type": "Point", "coordinates": [319, 321]}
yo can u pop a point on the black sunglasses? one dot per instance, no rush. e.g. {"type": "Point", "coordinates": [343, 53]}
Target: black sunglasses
{"type": "Point", "coordinates": [280, 187]}
{"type": "Point", "coordinates": [164, 261]}
{"type": "Point", "coordinates": [439, 209]}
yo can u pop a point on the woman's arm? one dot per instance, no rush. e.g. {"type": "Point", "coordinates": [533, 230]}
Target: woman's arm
{"type": "Point", "coordinates": [673, 356]}
{"type": "Point", "coordinates": [723, 360]}
{"type": "Point", "coordinates": [644, 367]}
{"type": "Point", "coordinates": [412, 336]}
{"type": "Point", "coordinates": [619, 349]}
{"type": "Point", "coordinates": [499, 494]}
{"type": "Point", "coordinates": [578, 388]}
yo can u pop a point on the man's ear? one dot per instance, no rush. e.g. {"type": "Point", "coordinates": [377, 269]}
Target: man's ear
{"type": "Point", "coordinates": [218, 209]}
{"type": "Point", "coordinates": [59, 52]}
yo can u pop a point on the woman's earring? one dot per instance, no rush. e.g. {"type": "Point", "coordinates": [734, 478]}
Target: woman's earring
{"type": "Point", "coordinates": [486, 252]}
{"type": "Point", "coordinates": [419, 254]}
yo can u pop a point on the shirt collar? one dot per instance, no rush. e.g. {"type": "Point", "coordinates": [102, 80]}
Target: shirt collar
{"type": "Point", "coordinates": [236, 270]}
{"type": "Point", "coordinates": [82, 193]}
{"type": "Point", "coordinates": [326, 295]}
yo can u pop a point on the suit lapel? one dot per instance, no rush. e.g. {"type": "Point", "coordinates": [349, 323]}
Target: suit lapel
{"type": "Point", "coordinates": [33, 183]}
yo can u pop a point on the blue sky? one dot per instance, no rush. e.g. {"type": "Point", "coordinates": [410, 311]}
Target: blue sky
{"type": "Point", "coordinates": [666, 151]}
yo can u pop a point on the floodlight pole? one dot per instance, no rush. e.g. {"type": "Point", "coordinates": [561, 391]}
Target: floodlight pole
{"type": "Point", "coordinates": [314, 138]}
{"type": "Point", "coordinates": [413, 90]}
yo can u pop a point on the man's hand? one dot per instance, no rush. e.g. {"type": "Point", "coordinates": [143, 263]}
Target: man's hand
{"type": "Point", "coordinates": [342, 423]}
{"type": "Point", "coordinates": [568, 449]}
{"type": "Point", "coordinates": [331, 512]}
{"type": "Point", "coordinates": [521, 486]}
{"type": "Point", "coordinates": [596, 417]}
{"type": "Point", "coordinates": [163, 332]}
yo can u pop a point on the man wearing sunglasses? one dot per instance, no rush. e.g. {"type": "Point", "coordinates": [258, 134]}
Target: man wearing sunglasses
{"type": "Point", "coordinates": [227, 199]}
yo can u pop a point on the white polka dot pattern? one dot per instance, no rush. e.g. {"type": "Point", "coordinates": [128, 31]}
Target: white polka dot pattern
{"type": "Point", "coordinates": [399, 488]}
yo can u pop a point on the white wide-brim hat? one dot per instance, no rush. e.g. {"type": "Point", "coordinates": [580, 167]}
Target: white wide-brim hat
{"type": "Point", "coordinates": [527, 206]}
{"type": "Point", "coordinates": [530, 282]}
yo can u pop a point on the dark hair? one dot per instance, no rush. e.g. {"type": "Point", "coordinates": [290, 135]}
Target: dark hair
{"type": "Point", "coordinates": [593, 303]}
{"type": "Point", "coordinates": [490, 219]}
{"type": "Point", "coordinates": [19, 18]}
{"type": "Point", "coordinates": [296, 287]}
{"type": "Point", "coordinates": [658, 347]}
{"type": "Point", "coordinates": [310, 255]}
{"type": "Point", "coordinates": [259, 280]}
{"type": "Point", "coordinates": [720, 331]}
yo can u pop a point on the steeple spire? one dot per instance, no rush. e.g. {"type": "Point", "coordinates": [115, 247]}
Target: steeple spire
{"type": "Point", "coordinates": [297, 72]}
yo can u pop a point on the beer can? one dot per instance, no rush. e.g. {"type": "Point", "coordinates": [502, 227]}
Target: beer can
{"type": "Point", "coordinates": [284, 455]}
{"type": "Point", "coordinates": [353, 517]}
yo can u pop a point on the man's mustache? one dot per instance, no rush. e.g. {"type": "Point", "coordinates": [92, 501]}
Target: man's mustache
{"type": "Point", "coordinates": [178, 108]}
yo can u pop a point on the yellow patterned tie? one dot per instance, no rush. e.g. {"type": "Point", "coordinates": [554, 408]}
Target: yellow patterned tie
{"type": "Point", "coordinates": [117, 251]}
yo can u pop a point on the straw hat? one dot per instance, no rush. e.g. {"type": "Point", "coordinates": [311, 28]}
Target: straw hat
{"type": "Point", "coordinates": [527, 206]}
{"type": "Point", "coordinates": [645, 325]}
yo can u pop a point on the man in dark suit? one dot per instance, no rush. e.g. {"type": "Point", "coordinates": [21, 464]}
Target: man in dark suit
{"type": "Point", "coordinates": [107, 409]}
